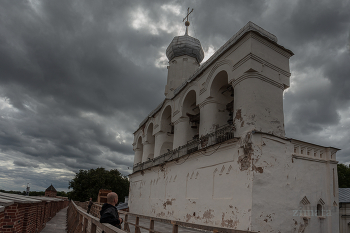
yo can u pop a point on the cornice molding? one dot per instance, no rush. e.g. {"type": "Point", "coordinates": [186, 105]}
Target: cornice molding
{"type": "Point", "coordinates": [207, 101]}
{"type": "Point", "coordinates": [258, 76]}
{"type": "Point", "coordinates": [270, 45]}
{"type": "Point", "coordinates": [295, 156]}
{"type": "Point", "coordinates": [181, 119]}
{"type": "Point", "coordinates": [262, 61]}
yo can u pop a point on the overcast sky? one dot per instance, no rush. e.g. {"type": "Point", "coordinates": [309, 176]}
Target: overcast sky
{"type": "Point", "coordinates": [77, 77]}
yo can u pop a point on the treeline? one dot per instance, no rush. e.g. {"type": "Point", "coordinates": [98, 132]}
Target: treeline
{"type": "Point", "coordinates": [343, 175]}
{"type": "Point", "coordinates": [35, 193]}
{"type": "Point", "coordinates": [87, 183]}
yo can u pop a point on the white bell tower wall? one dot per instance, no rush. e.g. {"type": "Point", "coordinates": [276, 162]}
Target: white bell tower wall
{"type": "Point", "coordinates": [179, 70]}
{"type": "Point", "coordinates": [259, 80]}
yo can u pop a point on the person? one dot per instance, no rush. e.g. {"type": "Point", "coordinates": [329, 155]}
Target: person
{"type": "Point", "coordinates": [109, 213]}
{"type": "Point", "coordinates": [89, 205]}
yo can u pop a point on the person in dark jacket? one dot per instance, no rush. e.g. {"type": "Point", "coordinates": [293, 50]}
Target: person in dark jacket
{"type": "Point", "coordinates": [89, 205]}
{"type": "Point", "coordinates": [109, 213]}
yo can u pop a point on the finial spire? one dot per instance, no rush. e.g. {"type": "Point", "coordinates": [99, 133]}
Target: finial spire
{"type": "Point", "coordinates": [187, 23]}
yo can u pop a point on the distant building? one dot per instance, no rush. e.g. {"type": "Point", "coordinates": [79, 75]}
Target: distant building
{"type": "Point", "coordinates": [124, 206]}
{"type": "Point", "coordinates": [344, 210]}
{"type": "Point", "coordinates": [50, 191]}
{"type": "Point", "coordinates": [102, 196]}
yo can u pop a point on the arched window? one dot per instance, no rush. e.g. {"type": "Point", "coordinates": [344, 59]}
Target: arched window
{"type": "Point", "coordinates": [166, 123]}
{"type": "Point", "coordinates": [164, 139]}
{"type": "Point", "coordinates": [148, 147]}
{"type": "Point", "coordinates": [191, 111]}
{"type": "Point", "coordinates": [223, 93]}
{"type": "Point", "coordinates": [138, 151]}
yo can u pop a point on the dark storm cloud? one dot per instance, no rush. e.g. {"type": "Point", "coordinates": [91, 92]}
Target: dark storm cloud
{"type": "Point", "coordinates": [77, 77]}
{"type": "Point", "coordinates": [62, 56]}
{"type": "Point", "coordinates": [38, 181]}
{"type": "Point", "coordinates": [25, 164]}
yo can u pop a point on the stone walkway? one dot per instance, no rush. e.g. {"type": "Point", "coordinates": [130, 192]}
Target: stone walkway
{"type": "Point", "coordinates": [57, 224]}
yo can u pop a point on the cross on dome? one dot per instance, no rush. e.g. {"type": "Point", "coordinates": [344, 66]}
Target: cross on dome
{"type": "Point", "coordinates": [187, 23]}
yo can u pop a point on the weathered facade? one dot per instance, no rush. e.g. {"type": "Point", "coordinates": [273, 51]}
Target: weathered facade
{"type": "Point", "coordinates": [214, 152]}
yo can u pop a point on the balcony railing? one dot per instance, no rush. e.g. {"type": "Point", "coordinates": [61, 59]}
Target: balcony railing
{"type": "Point", "coordinates": [220, 135]}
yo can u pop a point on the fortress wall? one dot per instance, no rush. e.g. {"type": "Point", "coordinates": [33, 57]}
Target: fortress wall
{"type": "Point", "coordinates": [27, 214]}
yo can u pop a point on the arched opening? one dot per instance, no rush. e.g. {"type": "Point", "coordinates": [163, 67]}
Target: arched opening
{"type": "Point", "coordinates": [164, 138]}
{"type": "Point", "coordinates": [223, 94]}
{"type": "Point", "coordinates": [138, 151]}
{"type": "Point", "coordinates": [187, 127]}
{"type": "Point", "coordinates": [190, 109]}
{"type": "Point", "coordinates": [148, 150]}
{"type": "Point", "coordinates": [166, 124]}
{"type": "Point", "coordinates": [319, 210]}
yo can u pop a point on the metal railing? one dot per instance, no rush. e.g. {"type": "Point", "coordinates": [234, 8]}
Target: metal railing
{"type": "Point", "coordinates": [220, 135]}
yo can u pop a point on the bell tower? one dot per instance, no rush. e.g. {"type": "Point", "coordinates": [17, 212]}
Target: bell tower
{"type": "Point", "coordinates": [185, 53]}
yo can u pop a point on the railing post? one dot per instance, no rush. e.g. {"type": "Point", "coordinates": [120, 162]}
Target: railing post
{"type": "Point", "coordinates": [78, 226]}
{"type": "Point", "coordinates": [126, 223]}
{"type": "Point", "coordinates": [151, 225]}
{"type": "Point", "coordinates": [137, 228]}
{"type": "Point", "coordinates": [175, 227]}
{"type": "Point", "coordinates": [85, 225]}
{"type": "Point", "coordinates": [93, 228]}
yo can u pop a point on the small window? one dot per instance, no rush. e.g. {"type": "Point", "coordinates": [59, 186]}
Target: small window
{"type": "Point", "coordinates": [301, 151]}
{"type": "Point", "coordinates": [319, 210]}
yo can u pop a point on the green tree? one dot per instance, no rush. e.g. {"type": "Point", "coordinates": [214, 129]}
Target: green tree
{"type": "Point", "coordinates": [343, 175]}
{"type": "Point", "coordinates": [61, 194]}
{"type": "Point", "coordinates": [87, 183]}
{"type": "Point", "coordinates": [36, 193]}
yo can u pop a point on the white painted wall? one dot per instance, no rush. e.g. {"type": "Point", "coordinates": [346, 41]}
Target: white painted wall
{"type": "Point", "coordinates": [208, 190]}
{"type": "Point", "coordinates": [258, 191]}
{"type": "Point", "coordinates": [179, 70]}
{"type": "Point", "coordinates": [282, 183]}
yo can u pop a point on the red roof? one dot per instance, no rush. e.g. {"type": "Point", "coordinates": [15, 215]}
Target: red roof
{"type": "Point", "coordinates": [51, 188]}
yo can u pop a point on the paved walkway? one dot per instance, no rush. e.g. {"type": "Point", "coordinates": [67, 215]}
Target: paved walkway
{"type": "Point", "coordinates": [57, 224]}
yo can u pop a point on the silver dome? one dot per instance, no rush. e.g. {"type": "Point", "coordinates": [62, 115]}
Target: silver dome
{"type": "Point", "coordinates": [185, 45]}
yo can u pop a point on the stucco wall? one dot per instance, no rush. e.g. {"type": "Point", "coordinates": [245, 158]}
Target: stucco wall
{"type": "Point", "coordinates": [258, 186]}
{"type": "Point", "coordinates": [209, 190]}
{"type": "Point", "coordinates": [282, 184]}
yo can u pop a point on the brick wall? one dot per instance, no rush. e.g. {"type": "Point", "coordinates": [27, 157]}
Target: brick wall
{"type": "Point", "coordinates": [2, 217]}
{"type": "Point", "coordinates": [13, 219]}
{"type": "Point", "coordinates": [40, 224]}
{"type": "Point", "coordinates": [50, 193]}
{"type": "Point", "coordinates": [29, 217]}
